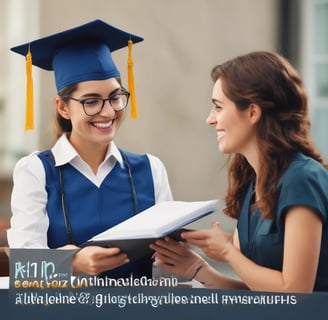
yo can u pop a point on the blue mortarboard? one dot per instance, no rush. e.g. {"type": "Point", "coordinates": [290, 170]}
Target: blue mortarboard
{"type": "Point", "coordinates": [79, 54]}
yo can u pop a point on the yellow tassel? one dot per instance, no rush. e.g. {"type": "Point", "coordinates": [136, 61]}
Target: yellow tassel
{"type": "Point", "coordinates": [131, 86]}
{"type": "Point", "coordinates": [29, 117]}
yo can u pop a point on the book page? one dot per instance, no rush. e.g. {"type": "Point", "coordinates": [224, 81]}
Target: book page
{"type": "Point", "coordinates": [159, 220]}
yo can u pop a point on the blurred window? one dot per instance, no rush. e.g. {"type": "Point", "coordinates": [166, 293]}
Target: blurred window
{"type": "Point", "coordinates": [314, 47]}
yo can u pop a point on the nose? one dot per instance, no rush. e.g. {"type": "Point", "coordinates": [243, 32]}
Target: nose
{"type": "Point", "coordinates": [107, 109]}
{"type": "Point", "coordinates": [211, 119]}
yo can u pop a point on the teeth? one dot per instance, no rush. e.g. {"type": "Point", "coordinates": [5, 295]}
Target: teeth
{"type": "Point", "coordinates": [103, 125]}
{"type": "Point", "coordinates": [220, 134]}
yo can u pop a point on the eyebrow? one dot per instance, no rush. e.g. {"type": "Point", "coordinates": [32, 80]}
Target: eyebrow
{"type": "Point", "coordinates": [216, 101]}
{"type": "Point", "coordinates": [97, 95]}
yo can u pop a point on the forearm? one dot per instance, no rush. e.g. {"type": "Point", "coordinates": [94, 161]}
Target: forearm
{"type": "Point", "coordinates": [212, 278]}
{"type": "Point", "coordinates": [251, 275]}
{"type": "Point", "coordinates": [256, 277]}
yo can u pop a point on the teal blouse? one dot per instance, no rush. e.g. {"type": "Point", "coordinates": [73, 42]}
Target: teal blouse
{"type": "Point", "coordinates": [305, 183]}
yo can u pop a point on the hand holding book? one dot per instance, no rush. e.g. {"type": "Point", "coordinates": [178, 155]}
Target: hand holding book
{"type": "Point", "coordinates": [134, 235]}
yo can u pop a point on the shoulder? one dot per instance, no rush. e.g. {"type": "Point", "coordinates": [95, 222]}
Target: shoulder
{"type": "Point", "coordinates": [304, 169]}
{"type": "Point", "coordinates": [305, 183]}
{"type": "Point", "coordinates": [29, 167]}
{"type": "Point", "coordinates": [29, 162]}
{"type": "Point", "coordinates": [155, 161]}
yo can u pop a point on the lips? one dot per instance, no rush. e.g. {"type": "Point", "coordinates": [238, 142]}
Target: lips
{"type": "Point", "coordinates": [103, 125]}
{"type": "Point", "coordinates": [220, 133]}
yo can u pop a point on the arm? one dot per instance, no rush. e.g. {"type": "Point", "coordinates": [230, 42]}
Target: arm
{"type": "Point", "coordinates": [177, 258]}
{"type": "Point", "coordinates": [161, 182]}
{"type": "Point", "coordinates": [93, 260]}
{"type": "Point", "coordinates": [303, 229]}
{"type": "Point", "coordinates": [29, 222]}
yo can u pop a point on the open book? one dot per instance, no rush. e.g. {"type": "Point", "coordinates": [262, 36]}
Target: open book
{"type": "Point", "coordinates": [134, 235]}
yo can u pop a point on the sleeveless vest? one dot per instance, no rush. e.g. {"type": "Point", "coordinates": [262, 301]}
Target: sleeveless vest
{"type": "Point", "coordinates": [93, 209]}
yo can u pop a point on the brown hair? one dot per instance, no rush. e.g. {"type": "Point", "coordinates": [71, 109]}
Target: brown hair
{"type": "Point", "coordinates": [63, 125]}
{"type": "Point", "coordinates": [271, 82]}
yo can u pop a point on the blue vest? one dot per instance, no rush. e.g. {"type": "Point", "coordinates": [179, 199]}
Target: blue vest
{"type": "Point", "coordinates": [92, 210]}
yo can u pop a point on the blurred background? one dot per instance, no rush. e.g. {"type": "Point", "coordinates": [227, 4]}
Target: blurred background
{"type": "Point", "coordinates": [184, 39]}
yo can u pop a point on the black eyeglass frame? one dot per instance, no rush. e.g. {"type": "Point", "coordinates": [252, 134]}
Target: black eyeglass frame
{"type": "Point", "coordinates": [123, 92]}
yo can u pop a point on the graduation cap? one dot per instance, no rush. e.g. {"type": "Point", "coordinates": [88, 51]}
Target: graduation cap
{"type": "Point", "coordinates": [79, 54]}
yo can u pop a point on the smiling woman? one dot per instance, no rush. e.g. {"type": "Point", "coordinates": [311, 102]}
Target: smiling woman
{"type": "Point", "coordinates": [85, 184]}
{"type": "Point", "coordinates": [277, 189]}
{"type": "Point", "coordinates": [235, 128]}
{"type": "Point", "coordinates": [93, 119]}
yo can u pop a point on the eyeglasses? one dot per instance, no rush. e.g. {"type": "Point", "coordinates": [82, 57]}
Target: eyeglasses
{"type": "Point", "coordinates": [93, 106]}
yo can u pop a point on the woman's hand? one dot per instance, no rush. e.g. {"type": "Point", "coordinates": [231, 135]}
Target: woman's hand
{"type": "Point", "coordinates": [175, 257]}
{"type": "Point", "coordinates": [214, 242]}
{"type": "Point", "coordinates": [93, 260]}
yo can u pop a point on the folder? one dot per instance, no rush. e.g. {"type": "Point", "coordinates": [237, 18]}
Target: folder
{"type": "Point", "coordinates": [133, 236]}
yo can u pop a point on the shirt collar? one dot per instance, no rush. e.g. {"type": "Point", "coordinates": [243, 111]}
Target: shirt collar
{"type": "Point", "coordinates": [113, 151]}
{"type": "Point", "coordinates": [64, 152]}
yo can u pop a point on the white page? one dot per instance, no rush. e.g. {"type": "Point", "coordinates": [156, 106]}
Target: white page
{"type": "Point", "coordinates": [159, 220]}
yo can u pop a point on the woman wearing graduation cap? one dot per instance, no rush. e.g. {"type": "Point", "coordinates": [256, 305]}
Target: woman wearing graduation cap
{"type": "Point", "coordinates": [84, 185]}
{"type": "Point", "coordinates": [278, 185]}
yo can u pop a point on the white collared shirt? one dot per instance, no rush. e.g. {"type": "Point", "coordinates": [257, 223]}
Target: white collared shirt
{"type": "Point", "coordinates": [29, 222]}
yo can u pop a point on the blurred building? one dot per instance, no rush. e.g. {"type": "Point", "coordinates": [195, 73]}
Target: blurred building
{"type": "Point", "coordinates": [183, 40]}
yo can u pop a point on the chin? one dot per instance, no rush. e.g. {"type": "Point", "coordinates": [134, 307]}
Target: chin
{"type": "Point", "coordinates": [224, 150]}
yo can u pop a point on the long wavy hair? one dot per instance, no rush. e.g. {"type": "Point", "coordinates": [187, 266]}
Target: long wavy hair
{"type": "Point", "coordinates": [270, 81]}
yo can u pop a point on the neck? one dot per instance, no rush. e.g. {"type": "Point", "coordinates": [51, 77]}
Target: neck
{"type": "Point", "coordinates": [91, 153]}
{"type": "Point", "coordinates": [93, 158]}
{"type": "Point", "coordinates": [251, 152]}
{"type": "Point", "coordinates": [253, 160]}
{"type": "Point", "coordinates": [252, 157]}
